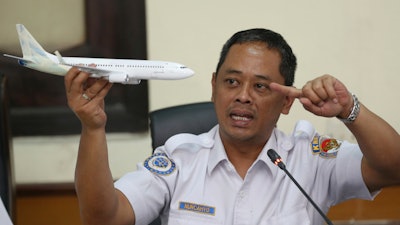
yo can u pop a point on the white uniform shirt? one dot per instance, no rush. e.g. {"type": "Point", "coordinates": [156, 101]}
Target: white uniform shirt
{"type": "Point", "coordinates": [190, 180]}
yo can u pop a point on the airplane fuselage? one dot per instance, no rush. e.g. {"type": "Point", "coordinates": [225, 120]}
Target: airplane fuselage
{"type": "Point", "coordinates": [139, 69]}
{"type": "Point", "coordinates": [127, 71]}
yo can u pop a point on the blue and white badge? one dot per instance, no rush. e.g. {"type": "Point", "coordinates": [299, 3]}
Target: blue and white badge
{"type": "Point", "coordinates": [159, 163]}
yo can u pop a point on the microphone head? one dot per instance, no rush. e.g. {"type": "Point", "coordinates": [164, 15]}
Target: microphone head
{"type": "Point", "coordinates": [273, 155]}
{"type": "Point", "coordinates": [275, 158]}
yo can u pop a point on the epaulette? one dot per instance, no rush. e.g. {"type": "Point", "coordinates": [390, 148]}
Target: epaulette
{"type": "Point", "coordinates": [160, 162]}
{"type": "Point", "coordinates": [190, 142]}
{"type": "Point", "coordinates": [304, 129]}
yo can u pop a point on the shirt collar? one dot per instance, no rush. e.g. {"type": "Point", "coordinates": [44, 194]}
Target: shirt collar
{"type": "Point", "coordinates": [279, 142]}
{"type": "Point", "coordinates": [282, 146]}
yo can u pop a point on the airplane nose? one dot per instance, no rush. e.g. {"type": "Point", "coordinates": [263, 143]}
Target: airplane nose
{"type": "Point", "coordinates": [188, 72]}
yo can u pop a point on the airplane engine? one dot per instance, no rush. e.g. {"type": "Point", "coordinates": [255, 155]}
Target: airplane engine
{"type": "Point", "coordinates": [122, 78]}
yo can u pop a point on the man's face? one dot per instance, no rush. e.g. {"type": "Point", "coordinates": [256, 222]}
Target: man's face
{"type": "Point", "coordinates": [246, 108]}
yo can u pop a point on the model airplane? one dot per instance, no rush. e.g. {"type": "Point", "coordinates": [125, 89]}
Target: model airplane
{"type": "Point", "coordinates": [125, 71]}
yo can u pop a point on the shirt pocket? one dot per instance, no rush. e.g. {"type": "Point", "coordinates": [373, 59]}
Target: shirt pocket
{"type": "Point", "coordinates": [184, 218]}
{"type": "Point", "coordinates": [298, 216]}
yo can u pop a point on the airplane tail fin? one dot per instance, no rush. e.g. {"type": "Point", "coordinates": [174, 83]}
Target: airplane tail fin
{"type": "Point", "coordinates": [31, 49]}
{"type": "Point", "coordinates": [34, 56]}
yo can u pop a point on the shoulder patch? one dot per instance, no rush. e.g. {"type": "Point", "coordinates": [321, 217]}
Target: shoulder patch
{"type": "Point", "coordinates": [325, 146]}
{"type": "Point", "coordinates": [160, 164]}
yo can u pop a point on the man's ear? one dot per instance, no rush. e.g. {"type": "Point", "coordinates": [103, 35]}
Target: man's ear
{"type": "Point", "coordinates": [213, 83]}
{"type": "Point", "coordinates": [287, 105]}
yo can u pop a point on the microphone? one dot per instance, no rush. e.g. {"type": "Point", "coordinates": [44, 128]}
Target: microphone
{"type": "Point", "coordinates": [277, 160]}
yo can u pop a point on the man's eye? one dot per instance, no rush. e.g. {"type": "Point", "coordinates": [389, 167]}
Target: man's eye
{"type": "Point", "coordinates": [261, 86]}
{"type": "Point", "coordinates": [231, 81]}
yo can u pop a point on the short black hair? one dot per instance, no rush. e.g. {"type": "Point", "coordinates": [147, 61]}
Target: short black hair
{"type": "Point", "coordinates": [274, 41]}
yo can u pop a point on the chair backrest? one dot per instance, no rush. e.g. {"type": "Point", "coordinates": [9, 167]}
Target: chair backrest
{"type": "Point", "coordinates": [194, 118]}
{"type": "Point", "coordinates": [7, 184]}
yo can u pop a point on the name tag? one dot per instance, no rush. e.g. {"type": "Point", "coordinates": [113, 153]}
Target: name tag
{"type": "Point", "coordinates": [197, 208]}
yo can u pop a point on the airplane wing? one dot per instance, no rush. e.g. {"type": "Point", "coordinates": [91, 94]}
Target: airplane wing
{"type": "Point", "coordinates": [96, 72]}
{"type": "Point", "coordinates": [92, 70]}
{"type": "Point", "coordinates": [112, 76]}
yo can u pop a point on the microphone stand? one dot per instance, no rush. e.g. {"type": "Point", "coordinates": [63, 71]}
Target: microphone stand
{"type": "Point", "coordinates": [276, 159]}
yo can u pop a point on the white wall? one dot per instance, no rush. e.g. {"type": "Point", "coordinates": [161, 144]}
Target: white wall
{"type": "Point", "coordinates": [355, 40]}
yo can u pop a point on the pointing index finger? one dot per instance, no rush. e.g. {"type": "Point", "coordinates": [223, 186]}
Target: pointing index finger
{"type": "Point", "coordinates": [286, 90]}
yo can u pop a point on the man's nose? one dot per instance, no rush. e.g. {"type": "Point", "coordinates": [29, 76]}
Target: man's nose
{"type": "Point", "coordinates": [244, 94]}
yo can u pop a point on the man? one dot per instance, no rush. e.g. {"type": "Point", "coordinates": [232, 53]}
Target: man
{"type": "Point", "coordinates": [225, 175]}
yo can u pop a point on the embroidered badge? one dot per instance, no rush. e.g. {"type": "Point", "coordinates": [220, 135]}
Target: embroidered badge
{"type": "Point", "coordinates": [325, 146]}
{"type": "Point", "coordinates": [315, 145]}
{"type": "Point", "coordinates": [197, 208]}
{"type": "Point", "coordinates": [159, 163]}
